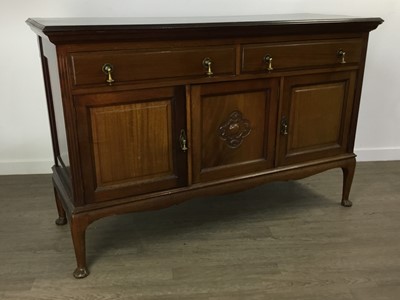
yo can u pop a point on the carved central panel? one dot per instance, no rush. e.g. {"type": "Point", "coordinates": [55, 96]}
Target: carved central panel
{"type": "Point", "coordinates": [234, 130]}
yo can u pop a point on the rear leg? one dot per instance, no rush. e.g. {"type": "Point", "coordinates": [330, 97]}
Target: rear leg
{"type": "Point", "coordinates": [348, 174]}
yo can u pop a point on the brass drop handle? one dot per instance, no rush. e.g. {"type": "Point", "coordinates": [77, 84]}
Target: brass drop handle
{"type": "Point", "coordinates": [341, 54]}
{"type": "Point", "coordinates": [284, 126]}
{"type": "Point", "coordinates": [207, 64]}
{"type": "Point", "coordinates": [268, 61]}
{"type": "Point", "coordinates": [183, 140]}
{"type": "Point", "coordinates": [108, 69]}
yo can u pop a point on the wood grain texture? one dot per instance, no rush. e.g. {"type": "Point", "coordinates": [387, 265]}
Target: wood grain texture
{"type": "Point", "coordinates": [130, 142]}
{"type": "Point", "coordinates": [234, 126]}
{"type": "Point", "coordinates": [318, 110]}
{"type": "Point", "coordinates": [134, 65]}
{"type": "Point", "coordinates": [299, 54]}
{"type": "Point", "coordinates": [287, 240]}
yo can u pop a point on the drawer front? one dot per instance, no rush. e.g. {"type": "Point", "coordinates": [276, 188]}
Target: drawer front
{"type": "Point", "coordinates": [300, 55]}
{"type": "Point", "coordinates": [130, 65]}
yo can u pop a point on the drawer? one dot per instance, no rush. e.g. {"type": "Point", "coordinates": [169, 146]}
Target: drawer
{"type": "Point", "coordinates": [300, 55]}
{"type": "Point", "coordinates": [133, 65]}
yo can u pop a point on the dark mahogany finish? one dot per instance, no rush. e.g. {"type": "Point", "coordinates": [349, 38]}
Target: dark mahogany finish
{"type": "Point", "coordinates": [146, 113]}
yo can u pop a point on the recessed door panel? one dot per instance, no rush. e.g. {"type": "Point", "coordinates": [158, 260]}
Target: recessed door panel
{"type": "Point", "coordinates": [315, 116]}
{"type": "Point", "coordinates": [233, 128]}
{"type": "Point", "coordinates": [129, 142]}
{"type": "Point", "coordinates": [132, 141]}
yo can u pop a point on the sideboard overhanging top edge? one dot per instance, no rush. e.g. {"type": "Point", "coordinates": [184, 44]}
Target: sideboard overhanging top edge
{"type": "Point", "coordinates": [62, 30]}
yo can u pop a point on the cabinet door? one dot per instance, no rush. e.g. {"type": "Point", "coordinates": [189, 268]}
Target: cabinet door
{"type": "Point", "coordinates": [233, 128]}
{"type": "Point", "coordinates": [315, 116]}
{"type": "Point", "coordinates": [129, 142]}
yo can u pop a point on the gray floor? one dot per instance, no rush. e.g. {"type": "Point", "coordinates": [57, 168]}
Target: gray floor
{"type": "Point", "coordinates": [288, 240]}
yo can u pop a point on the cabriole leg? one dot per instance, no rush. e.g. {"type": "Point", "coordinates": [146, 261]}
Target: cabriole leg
{"type": "Point", "coordinates": [348, 174]}
{"type": "Point", "coordinates": [62, 218]}
{"type": "Point", "coordinates": [78, 231]}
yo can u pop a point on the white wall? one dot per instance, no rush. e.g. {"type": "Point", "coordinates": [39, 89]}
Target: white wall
{"type": "Point", "coordinates": [25, 145]}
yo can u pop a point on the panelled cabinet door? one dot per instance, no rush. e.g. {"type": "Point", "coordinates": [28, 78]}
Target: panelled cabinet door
{"type": "Point", "coordinates": [315, 116]}
{"type": "Point", "coordinates": [129, 142]}
{"type": "Point", "coordinates": [233, 128]}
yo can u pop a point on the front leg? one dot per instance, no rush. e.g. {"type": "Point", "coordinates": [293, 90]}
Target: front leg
{"type": "Point", "coordinates": [348, 174]}
{"type": "Point", "coordinates": [78, 231]}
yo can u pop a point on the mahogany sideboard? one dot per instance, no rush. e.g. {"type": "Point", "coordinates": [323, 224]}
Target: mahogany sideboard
{"type": "Point", "coordinates": [148, 112]}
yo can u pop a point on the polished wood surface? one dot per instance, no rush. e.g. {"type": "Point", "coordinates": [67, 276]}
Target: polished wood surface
{"type": "Point", "coordinates": [195, 108]}
{"type": "Point", "coordinates": [233, 129]}
{"type": "Point", "coordinates": [68, 30]}
{"type": "Point", "coordinates": [129, 142]}
{"type": "Point", "coordinates": [299, 54]}
{"type": "Point", "coordinates": [318, 110]}
{"type": "Point", "coordinates": [164, 63]}
{"type": "Point", "coordinates": [285, 240]}
{"type": "Point", "coordinates": [132, 142]}
{"type": "Point", "coordinates": [80, 23]}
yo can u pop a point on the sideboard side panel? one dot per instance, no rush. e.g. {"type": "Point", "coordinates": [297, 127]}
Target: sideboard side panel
{"type": "Point", "coordinates": [56, 111]}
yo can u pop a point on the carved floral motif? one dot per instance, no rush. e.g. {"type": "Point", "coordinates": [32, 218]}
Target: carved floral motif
{"type": "Point", "coordinates": [234, 130]}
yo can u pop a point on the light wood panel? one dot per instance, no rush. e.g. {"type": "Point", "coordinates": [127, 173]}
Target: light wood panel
{"type": "Point", "coordinates": [130, 142]}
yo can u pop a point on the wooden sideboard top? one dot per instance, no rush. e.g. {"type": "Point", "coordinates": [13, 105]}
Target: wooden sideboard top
{"type": "Point", "coordinates": [63, 30]}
